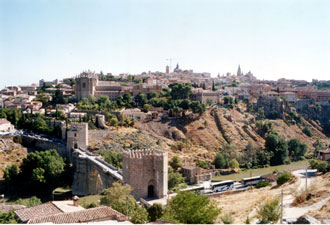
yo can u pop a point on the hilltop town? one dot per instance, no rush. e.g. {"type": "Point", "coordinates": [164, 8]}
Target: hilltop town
{"type": "Point", "coordinates": [156, 137]}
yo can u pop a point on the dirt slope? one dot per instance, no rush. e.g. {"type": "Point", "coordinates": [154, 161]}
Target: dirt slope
{"type": "Point", "coordinates": [10, 153]}
{"type": "Point", "coordinates": [223, 126]}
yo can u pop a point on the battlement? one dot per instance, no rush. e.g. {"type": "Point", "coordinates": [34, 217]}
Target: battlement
{"type": "Point", "coordinates": [143, 153]}
{"type": "Point", "coordinates": [87, 74]}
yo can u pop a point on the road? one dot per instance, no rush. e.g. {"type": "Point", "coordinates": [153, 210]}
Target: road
{"type": "Point", "coordinates": [290, 211]}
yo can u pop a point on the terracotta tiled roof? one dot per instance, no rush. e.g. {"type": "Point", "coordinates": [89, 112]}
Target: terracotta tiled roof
{"type": "Point", "coordinates": [95, 214]}
{"type": "Point", "coordinates": [41, 210]}
{"type": "Point", "coordinates": [6, 208]}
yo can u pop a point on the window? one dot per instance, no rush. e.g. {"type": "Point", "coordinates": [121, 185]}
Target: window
{"type": "Point", "coordinates": [84, 85]}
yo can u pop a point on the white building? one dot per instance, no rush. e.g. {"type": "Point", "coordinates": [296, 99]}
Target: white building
{"type": "Point", "coordinates": [133, 114]}
{"type": "Point", "coordinates": [6, 126]}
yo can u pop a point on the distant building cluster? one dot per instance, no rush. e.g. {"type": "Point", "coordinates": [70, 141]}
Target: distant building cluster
{"type": "Point", "coordinates": [206, 89]}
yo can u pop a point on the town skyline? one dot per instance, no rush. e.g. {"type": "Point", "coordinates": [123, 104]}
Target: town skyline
{"type": "Point", "coordinates": [273, 39]}
{"type": "Point", "coordinates": [60, 77]}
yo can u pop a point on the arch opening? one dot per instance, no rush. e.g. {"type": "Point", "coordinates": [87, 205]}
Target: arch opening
{"type": "Point", "coordinates": [151, 191]}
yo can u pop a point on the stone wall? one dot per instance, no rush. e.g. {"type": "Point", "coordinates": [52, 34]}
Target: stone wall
{"type": "Point", "coordinates": [89, 178]}
{"type": "Point", "coordinates": [273, 105]}
{"type": "Point", "coordinates": [38, 144]}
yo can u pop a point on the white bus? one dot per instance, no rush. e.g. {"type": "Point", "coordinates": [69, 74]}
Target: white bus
{"type": "Point", "coordinates": [199, 189]}
{"type": "Point", "coordinates": [252, 180]}
{"type": "Point", "coordinates": [222, 185]}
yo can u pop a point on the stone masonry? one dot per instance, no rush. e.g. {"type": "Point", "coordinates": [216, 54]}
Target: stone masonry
{"type": "Point", "coordinates": [146, 171]}
{"type": "Point", "coordinates": [77, 137]}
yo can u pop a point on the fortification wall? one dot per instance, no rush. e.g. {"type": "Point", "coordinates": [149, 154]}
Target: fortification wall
{"type": "Point", "coordinates": [38, 144]}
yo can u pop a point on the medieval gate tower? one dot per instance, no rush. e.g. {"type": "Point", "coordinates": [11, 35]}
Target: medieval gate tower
{"type": "Point", "coordinates": [146, 171]}
{"type": "Point", "coordinates": [77, 137]}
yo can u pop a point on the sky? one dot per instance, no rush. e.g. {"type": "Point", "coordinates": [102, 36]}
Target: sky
{"type": "Point", "coordinates": [49, 39]}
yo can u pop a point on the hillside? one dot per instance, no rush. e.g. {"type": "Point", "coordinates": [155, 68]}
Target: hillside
{"type": "Point", "coordinates": [201, 137]}
{"type": "Point", "coordinates": [10, 153]}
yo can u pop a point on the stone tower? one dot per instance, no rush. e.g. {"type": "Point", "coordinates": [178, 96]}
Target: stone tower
{"type": "Point", "coordinates": [146, 171]}
{"type": "Point", "coordinates": [85, 85]}
{"type": "Point", "coordinates": [167, 69]}
{"type": "Point", "coordinates": [77, 137]}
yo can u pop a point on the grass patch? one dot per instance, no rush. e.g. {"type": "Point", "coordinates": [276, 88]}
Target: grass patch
{"type": "Point", "coordinates": [90, 199]}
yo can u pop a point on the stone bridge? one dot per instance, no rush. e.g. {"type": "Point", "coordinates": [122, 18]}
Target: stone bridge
{"type": "Point", "coordinates": [91, 174]}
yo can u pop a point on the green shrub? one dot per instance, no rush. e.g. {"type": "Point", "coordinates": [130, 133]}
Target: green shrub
{"type": "Point", "coordinates": [269, 211]}
{"type": "Point", "coordinates": [202, 164]}
{"type": "Point", "coordinates": [227, 218]}
{"type": "Point", "coordinates": [321, 166]}
{"type": "Point", "coordinates": [263, 184]}
{"type": "Point", "coordinates": [283, 178]}
{"type": "Point", "coordinates": [308, 131]}
{"type": "Point", "coordinates": [174, 179]}
{"type": "Point", "coordinates": [155, 212]}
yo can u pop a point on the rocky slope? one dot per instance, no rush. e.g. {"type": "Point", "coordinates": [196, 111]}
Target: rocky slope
{"type": "Point", "coordinates": [10, 153]}
{"type": "Point", "coordinates": [201, 137]}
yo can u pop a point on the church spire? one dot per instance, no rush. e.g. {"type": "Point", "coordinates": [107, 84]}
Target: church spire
{"type": "Point", "coordinates": [239, 72]}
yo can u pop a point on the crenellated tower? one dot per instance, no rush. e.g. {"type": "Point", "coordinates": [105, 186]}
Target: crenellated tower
{"type": "Point", "coordinates": [147, 172]}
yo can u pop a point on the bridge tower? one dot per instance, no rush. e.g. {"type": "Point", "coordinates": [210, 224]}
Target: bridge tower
{"type": "Point", "coordinates": [147, 172]}
{"type": "Point", "coordinates": [77, 137]}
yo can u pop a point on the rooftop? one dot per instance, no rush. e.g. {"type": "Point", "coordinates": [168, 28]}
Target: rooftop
{"type": "Point", "coordinates": [3, 121]}
{"type": "Point", "coordinates": [95, 214]}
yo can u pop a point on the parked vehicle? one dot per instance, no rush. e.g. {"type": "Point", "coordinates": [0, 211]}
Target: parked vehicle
{"type": "Point", "coordinates": [222, 185]}
{"type": "Point", "coordinates": [251, 181]}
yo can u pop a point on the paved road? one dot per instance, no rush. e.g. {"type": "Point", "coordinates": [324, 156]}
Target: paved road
{"type": "Point", "coordinates": [290, 211]}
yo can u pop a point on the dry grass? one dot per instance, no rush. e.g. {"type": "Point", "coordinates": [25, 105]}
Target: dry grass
{"type": "Point", "coordinates": [240, 205]}
{"type": "Point", "coordinates": [318, 190]}
{"type": "Point", "coordinates": [323, 213]}
{"type": "Point", "coordinates": [13, 155]}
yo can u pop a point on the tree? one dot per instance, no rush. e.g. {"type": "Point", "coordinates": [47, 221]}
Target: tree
{"type": "Point", "coordinates": [152, 94]}
{"type": "Point", "coordinates": [269, 211]}
{"type": "Point", "coordinates": [40, 125]}
{"type": "Point", "coordinates": [114, 122]}
{"type": "Point", "coordinates": [191, 208]}
{"type": "Point", "coordinates": [296, 149]}
{"type": "Point", "coordinates": [175, 179]}
{"type": "Point", "coordinates": [261, 114]}
{"type": "Point", "coordinates": [283, 178]}
{"type": "Point", "coordinates": [141, 99]}
{"type": "Point", "coordinates": [202, 164]}
{"type": "Point", "coordinates": [234, 164]}
{"type": "Point", "coordinates": [220, 161]}
{"type": "Point", "coordinates": [92, 99]}
{"type": "Point", "coordinates": [127, 98]}
{"type": "Point", "coordinates": [155, 212]}
{"type": "Point", "coordinates": [197, 107]}
{"type": "Point", "coordinates": [277, 147]}
{"type": "Point", "coordinates": [102, 99]}
{"type": "Point", "coordinates": [307, 131]}
{"type": "Point", "coordinates": [113, 158]}
{"type": "Point", "coordinates": [42, 167]}
{"type": "Point", "coordinates": [180, 90]}
{"type": "Point", "coordinates": [10, 174]}
{"type": "Point", "coordinates": [175, 163]}
{"type": "Point", "coordinates": [117, 197]}
{"type": "Point", "coordinates": [9, 218]}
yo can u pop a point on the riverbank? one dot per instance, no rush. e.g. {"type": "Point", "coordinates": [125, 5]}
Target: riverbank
{"type": "Point", "coordinates": [262, 171]}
